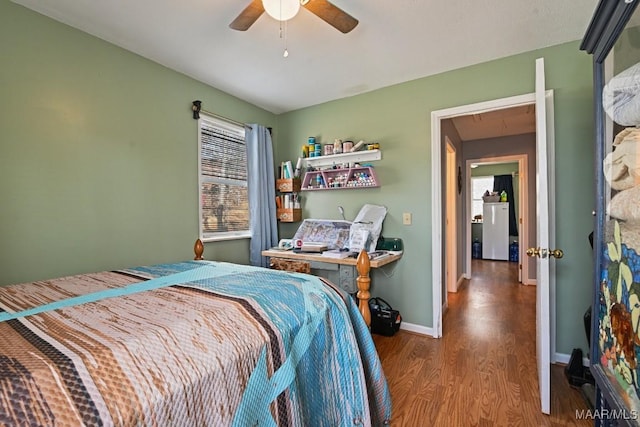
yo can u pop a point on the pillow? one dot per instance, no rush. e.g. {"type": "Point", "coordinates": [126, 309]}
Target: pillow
{"type": "Point", "coordinates": [621, 97]}
{"type": "Point", "coordinates": [626, 204]}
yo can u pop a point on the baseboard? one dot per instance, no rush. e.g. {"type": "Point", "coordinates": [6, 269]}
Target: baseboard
{"type": "Point", "coordinates": [461, 279]}
{"type": "Point", "coordinates": [561, 358]}
{"type": "Point", "coordinates": [418, 329]}
{"type": "Point", "coordinates": [564, 359]}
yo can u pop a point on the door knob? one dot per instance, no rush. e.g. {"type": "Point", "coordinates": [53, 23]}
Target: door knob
{"type": "Point", "coordinates": [556, 253]}
{"type": "Point", "coordinates": [543, 253]}
{"type": "Point", "coordinates": [533, 252]}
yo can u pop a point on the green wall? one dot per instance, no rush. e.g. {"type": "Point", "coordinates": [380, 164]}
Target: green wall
{"type": "Point", "coordinates": [98, 160]}
{"type": "Point", "coordinates": [399, 118]}
{"type": "Point", "coordinates": [98, 157]}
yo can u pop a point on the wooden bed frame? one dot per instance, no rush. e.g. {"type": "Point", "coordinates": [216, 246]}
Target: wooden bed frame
{"type": "Point", "coordinates": [363, 265]}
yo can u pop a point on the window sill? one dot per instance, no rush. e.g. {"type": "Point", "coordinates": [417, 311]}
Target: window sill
{"type": "Point", "coordinates": [225, 236]}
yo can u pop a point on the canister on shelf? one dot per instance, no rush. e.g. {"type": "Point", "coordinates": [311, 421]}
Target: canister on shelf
{"type": "Point", "coordinates": [328, 149]}
{"type": "Point", "coordinates": [312, 140]}
{"type": "Point", "coordinates": [337, 146]}
{"type": "Point", "coordinates": [347, 146]}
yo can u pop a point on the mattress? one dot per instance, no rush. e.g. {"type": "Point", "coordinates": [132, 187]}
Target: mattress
{"type": "Point", "coordinates": [232, 345]}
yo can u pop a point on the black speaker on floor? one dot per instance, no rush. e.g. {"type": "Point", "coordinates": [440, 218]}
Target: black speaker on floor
{"type": "Point", "coordinates": [577, 374]}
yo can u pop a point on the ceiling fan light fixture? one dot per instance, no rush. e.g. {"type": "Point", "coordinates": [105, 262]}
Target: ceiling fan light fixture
{"type": "Point", "coordinates": [281, 10]}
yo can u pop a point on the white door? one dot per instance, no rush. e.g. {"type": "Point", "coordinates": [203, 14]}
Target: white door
{"type": "Point", "coordinates": [545, 233]}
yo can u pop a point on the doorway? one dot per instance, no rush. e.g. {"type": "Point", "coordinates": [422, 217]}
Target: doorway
{"type": "Point", "coordinates": [523, 203]}
{"type": "Point", "coordinates": [542, 98]}
{"type": "Point", "coordinates": [437, 155]}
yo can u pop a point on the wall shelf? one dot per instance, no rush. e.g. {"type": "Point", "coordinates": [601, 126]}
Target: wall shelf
{"type": "Point", "coordinates": [286, 210]}
{"type": "Point", "coordinates": [340, 179]}
{"type": "Point", "coordinates": [338, 159]}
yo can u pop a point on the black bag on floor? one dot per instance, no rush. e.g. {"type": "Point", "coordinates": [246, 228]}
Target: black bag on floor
{"type": "Point", "coordinates": [384, 319]}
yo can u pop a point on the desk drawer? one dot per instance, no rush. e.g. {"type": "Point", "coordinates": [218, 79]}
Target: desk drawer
{"type": "Point", "coordinates": [343, 276]}
{"type": "Point", "coordinates": [290, 265]}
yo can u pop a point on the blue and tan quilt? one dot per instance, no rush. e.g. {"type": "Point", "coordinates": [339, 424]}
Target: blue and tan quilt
{"type": "Point", "coordinates": [192, 343]}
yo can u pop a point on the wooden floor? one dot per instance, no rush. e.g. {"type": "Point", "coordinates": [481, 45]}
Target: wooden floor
{"type": "Point", "coordinates": [483, 371]}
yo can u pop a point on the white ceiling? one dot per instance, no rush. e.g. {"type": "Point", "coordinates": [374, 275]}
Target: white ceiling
{"type": "Point", "coordinates": [496, 123]}
{"type": "Point", "coordinates": [395, 41]}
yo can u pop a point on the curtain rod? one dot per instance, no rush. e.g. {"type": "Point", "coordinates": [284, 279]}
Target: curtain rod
{"type": "Point", "coordinates": [218, 116]}
{"type": "Point", "coordinates": [197, 109]}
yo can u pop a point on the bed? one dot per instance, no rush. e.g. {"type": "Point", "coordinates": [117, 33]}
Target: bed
{"type": "Point", "coordinates": [197, 343]}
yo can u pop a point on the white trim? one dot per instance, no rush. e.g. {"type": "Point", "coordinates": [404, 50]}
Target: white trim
{"type": "Point", "coordinates": [460, 280]}
{"type": "Point", "coordinates": [350, 157]}
{"type": "Point", "coordinates": [436, 223]}
{"type": "Point", "coordinates": [226, 236]}
{"type": "Point", "coordinates": [451, 196]}
{"type": "Point", "coordinates": [551, 191]}
{"type": "Point", "coordinates": [436, 184]}
{"type": "Point", "coordinates": [418, 329]}
{"type": "Point", "coordinates": [564, 359]}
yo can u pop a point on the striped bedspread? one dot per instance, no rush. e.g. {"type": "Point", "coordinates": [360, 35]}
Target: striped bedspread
{"type": "Point", "coordinates": [237, 346]}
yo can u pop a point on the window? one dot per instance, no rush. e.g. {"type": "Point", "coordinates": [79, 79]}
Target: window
{"type": "Point", "coordinates": [479, 184]}
{"type": "Point", "coordinates": [222, 160]}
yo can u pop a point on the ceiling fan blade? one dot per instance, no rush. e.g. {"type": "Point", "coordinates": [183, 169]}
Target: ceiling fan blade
{"type": "Point", "coordinates": [248, 16]}
{"type": "Point", "coordinates": [332, 15]}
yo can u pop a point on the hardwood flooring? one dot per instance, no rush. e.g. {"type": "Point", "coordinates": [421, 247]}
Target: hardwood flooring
{"type": "Point", "coordinates": [483, 371]}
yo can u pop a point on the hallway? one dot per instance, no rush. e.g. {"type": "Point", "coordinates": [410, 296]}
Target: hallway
{"type": "Point", "coordinates": [483, 371]}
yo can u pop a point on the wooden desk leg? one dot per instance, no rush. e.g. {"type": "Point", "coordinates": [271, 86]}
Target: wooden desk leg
{"type": "Point", "coordinates": [364, 283]}
{"type": "Point", "coordinates": [198, 249]}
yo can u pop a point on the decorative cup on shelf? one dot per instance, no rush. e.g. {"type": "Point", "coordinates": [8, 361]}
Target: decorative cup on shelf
{"type": "Point", "coordinates": [337, 146]}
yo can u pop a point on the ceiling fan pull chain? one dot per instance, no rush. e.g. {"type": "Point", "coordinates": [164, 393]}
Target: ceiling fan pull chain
{"type": "Point", "coordinates": [286, 52]}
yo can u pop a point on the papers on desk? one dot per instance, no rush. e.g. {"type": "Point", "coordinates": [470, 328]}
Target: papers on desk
{"type": "Point", "coordinates": [278, 248]}
{"type": "Point", "coordinates": [337, 253]}
{"type": "Point", "coordinates": [370, 218]}
{"type": "Point", "coordinates": [333, 233]}
{"type": "Point", "coordinates": [378, 254]}
{"type": "Point", "coordinates": [313, 247]}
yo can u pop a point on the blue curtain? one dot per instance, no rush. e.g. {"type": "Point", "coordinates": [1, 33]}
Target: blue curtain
{"type": "Point", "coordinates": [505, 182]}
{"type": "Point", "coordinates": [262, 193]}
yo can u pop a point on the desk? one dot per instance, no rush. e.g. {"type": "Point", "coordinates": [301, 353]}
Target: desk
{"type": "Point", "coordinates": [343, 267]}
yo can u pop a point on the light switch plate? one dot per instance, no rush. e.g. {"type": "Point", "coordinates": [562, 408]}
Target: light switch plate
{"type": "Point", "coordinates": [406, 218]}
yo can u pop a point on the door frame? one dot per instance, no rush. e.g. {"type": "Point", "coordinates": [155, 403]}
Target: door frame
{"type": "Point", "coordinates": [437, 148]}
{"type": "Point", "coordinates": [451, 245]}
{"type": "Point", "coordinates": [523, 211]}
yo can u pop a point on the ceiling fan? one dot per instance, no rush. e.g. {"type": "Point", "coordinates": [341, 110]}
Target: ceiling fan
{"type": "Point", "coordinates": [323, 9]}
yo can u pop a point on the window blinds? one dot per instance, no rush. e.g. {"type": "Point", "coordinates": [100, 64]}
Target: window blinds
{"type": "Point", "coordinates": [224, 203]}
